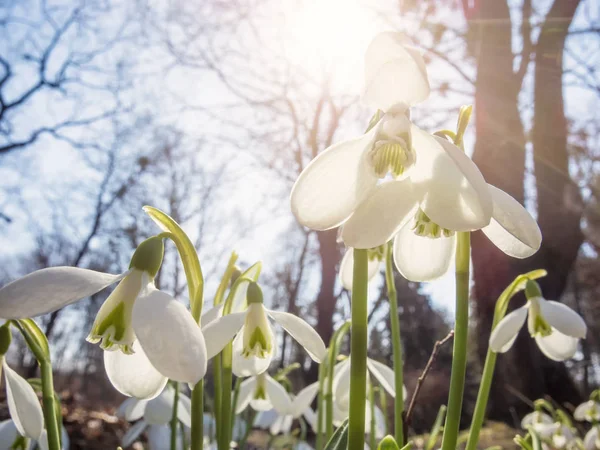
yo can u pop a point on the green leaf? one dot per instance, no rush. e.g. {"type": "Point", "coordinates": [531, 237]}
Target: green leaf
{"type": "Point", "coordinates": [35, 338]}
{"type": "Point", "coordinates": [437, 428]}
{"type": "Point", "coordinates": [388, 443]}
{"type": "Point", "coordinates": [188, 255]}
{"type": "Point", "coordinates": [339, 439]}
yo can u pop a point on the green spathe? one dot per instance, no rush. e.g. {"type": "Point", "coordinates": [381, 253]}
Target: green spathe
{"type": "Point", "coordinates": [148, 256]}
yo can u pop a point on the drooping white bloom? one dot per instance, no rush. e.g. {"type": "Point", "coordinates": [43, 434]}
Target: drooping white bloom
{"type": "Point", "coordinates": [296, 406]}
{"type": "Point", "coordinates": [541, 423]}
{"type": "Point", "coordinates": [155, 415]}
{"type": "Point", "coordinates": [253, 346]}
{"type": "Point", "coordinates": [9, 436]}
{"type": "Point", "coordinates": [588, 411]}
{"type": "Point", "coordinates": [23, 404]}
{"type": "Point", "coordinates": [263, 393]}
{"type": "Point", "coordinates": [592, 439]}
{"type": "Point", "coordinates": [555, 327]}
{"type": "Point", "coordinates": [562, 436]}
{"type": "Point", "coordinates": [136, 318]}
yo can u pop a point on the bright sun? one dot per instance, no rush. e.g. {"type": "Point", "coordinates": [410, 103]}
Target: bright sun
{"type": "Point", "coordinates": [330, 36]}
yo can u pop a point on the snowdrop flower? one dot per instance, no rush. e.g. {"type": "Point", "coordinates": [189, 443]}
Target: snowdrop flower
{"type": "Point", "coordinates": [541, 423]}
{"type": "Point", "coordinates": [562, 436]}
{"type": "Point", "coordinates": [11, 439]}
{"type": "Point", "coordinates": [295, 408]}
{"type": "Point", "coordinates": [253, 346]}
{"type": "Point", "coordinates": [155, 418]}
{"type": "Point", "coordinates": [555, 327]}
{"type": "Point", "coordinates": [592, 439]}
{"type": "Point", "coordinates": [133, 324]}
{"type": "Point", "coordinates": [263, 393]}
{"type": "Point", "coordinates": [588, 411]}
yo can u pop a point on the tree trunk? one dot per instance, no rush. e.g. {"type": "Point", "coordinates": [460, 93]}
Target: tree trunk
{"type": "Point", "coordinates": [326, 300]}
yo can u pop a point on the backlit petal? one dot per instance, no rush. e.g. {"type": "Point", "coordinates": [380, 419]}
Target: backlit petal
{"type": "Point", "coordinates": [330, 188]}
{"type": "Point", "coordinates": [379, 217]}
{"type": "Point", "coordinates": [23, 404]}
{"type": "Point", "coordinates": [211, 315]}
{"type": "Point", "coordinates": [347, 268]}
{"type": "Point", "coordinates": [132, 409]}
{"type": "Point", "coordinates": [512, 229]}
{"type": "Point", "coordinates": [302, 332]}
{"type": "Point", "coordinates": [421, 258]}
{"type": "Point", "coordinates": [245, 394]}
{"type": "Point", "coordinates": [557, 346]}
{"type": "Point", "coordinates": [159, 410]}
{"type": "Point", "coordinates": [221, 331]}
{"type": "Point", "coordinates": [341, 385]}
{"type": "Point", "coordinates": [170, 337]}
{"type": "Point", "coordinates": [133, 433]}
{"type": "Point", "coordinates": [47, 290]}
{"type": "Point", "coordinates": [304, 399]}
{"type": "Point", "coordinates": [506, 331]}
{"type": "Point", "coordinates": [592, 439]}
{"type": "Point", "coordinates": [394, 72]}
{"type": "Point", "coordinates": [452, 190]}
{"type": "Point", "coordinates": [8, 434]}
{"type": "Point", "coordinates": [384, 375]}
{"type": "Point", "coordinates": [563, 318]}
{"type": "Point", "coordinates": [278, 396]}
{"type": "Point", "coordinates": [133, 375]}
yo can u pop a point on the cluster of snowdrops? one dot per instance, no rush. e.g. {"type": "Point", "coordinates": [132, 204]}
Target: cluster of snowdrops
{"type": "Point", "coordinates": [403, 198]}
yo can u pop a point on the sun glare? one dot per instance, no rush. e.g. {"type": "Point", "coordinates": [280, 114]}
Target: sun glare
{"type": "Point", "coordinates": [329, 37]}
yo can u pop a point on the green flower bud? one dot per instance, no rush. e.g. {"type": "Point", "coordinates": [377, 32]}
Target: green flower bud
{"type": "Point", "coordinates": [148, 256]}
{"type": "Point", "coordinates": [254, 294]}
{"type": "Point", "coordinates": [5, 338]}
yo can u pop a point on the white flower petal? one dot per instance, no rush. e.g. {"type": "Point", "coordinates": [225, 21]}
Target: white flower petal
{"type": "Point", "coordinates": [334, 183]}
{"type": "Point", "coordinates": [452, 190]}
{"type": "Point", "coordinates": [592, 439]}
{"type": "Point", "coordinates": [170, 337]}
{"type": "Point", "coordinates": [159, 438]}
{"type": "Point", "coordinates": [504, 334]}
{"type": "Point", "coordinates": [379, 217]}
{"type": "Point", "coordinates": [261, 404]}
{"type": "Point", "coordinates": [421, 258]}
{"type": "Point", "coordinates": [246, 367]}
{"type": "Point", "coordinates": [277, 394]}
{"type": "Point", "coordinates": [132, 409]}
{"type": "Point", "coordinates": [563, 318]}
{"type": "Point", "coordinates": [341, 385]}
{"type": "Point", "coordinates": [283, 424]}
{"type": "Point", "coordinates": [133, 433]}
{"type": "Point", "coordinates": [8, 434]}
{"type": "Point", "coordinates": [134, 375]}
{"type": "Point", "coordinates": [159, 410]}
{"type": "Point", "coordinates": [23, 404]}
{"type": "Point", "coordinates": [384, 375]}
{"type": "Point", "coordinates": [557, 346]}
{"type": "Point", "coordinates": [534, 418]}
{"type": "Point", "coordinates": [184, 410]}
{"type": "Point", "coordinates": [347, 269]}
{"type": "Point", "coordinates": [512, 229]}
{"type": "Point", "coordinates": [210, 315]}
{"type": "Point", "coordinates": [302, 332]}
{"type": "Point", "coordinates": [47, 290]}
{"type": "Point", "coordinates": [394, 72]}
{"type": "Point", "coordinates": [582, 411]}
{"type": "Point", "coordinates": [245, 394]}
{"type": "Point", "coordinates": [221, 331]}
{"type": "Point", "coordinates": [304, 399]}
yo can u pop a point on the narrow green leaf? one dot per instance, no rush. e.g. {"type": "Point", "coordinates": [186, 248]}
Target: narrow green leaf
{"type": "Point", "coordinates": [188, 255]}
{"type": "Point", "coordinates": [437, 428]}
{"type": "Point", "coordinates": [35, 338]}
{"type": "Point", "coordinates": [339, 439]}
{"type": "Point", "coordinates": [389, 443]}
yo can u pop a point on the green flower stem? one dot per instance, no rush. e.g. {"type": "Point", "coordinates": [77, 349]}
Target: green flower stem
{"type": "Point", "coordinates": [461, 330]}
{"type": "Point", "coordinates": [174, 419]}
{"type": "Point", "coordinates": [334, 350]}
{"type": "Point", "coordinates": [396, 348]}
{"type": "Point", "coordinates": [50, 416]}
{"type": "Point", "coordinates": [372, 440]}
{"type": "Point", "coordinates": [236, 394]}
{"type": "Point", "coordinates": [226, 374]}
{"type": "Point", "coordinates": [490, 360]}
{"type": "Point", "coordinates": [383, 403]}
{"type": "Point", "coordinates": [217, 367]}
{"type": "Point", "coordinates": [198, 416]}
{"type": "Point", "coordinates": [358, 352]}
{"type": "Point", "coordinates": [321, 405]}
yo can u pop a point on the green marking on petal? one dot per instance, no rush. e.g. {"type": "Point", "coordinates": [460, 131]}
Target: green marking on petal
{"type": "Point", "coordinates": [376, 253]}
{"type": "Point", "coordinates": [112, 329]}
{"type": "Point", "coordinates": [258, 344]}
{"type": "Point", "coordinates": [260, 393]}
{"type": "Point", "coordinates": [424, 227]}
{"type": "Point", "coordinates": [391, 156]}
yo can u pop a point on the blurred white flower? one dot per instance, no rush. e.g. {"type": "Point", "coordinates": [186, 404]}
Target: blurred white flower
{"type": "Point", "coordinates": [592, 439]}
{"type": "Point", "coordinates": [555, 327]}
{"type": "Point", "coordinates": [263, 393]}
{"type": "Point", "coordinates": [541, 423]}
{"type": "Point", "coordinates": [347, 265]}
{"type": "Point", "coordinates": [588, 411]}
{"type": "Point", "coordinates": [9, 436]}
